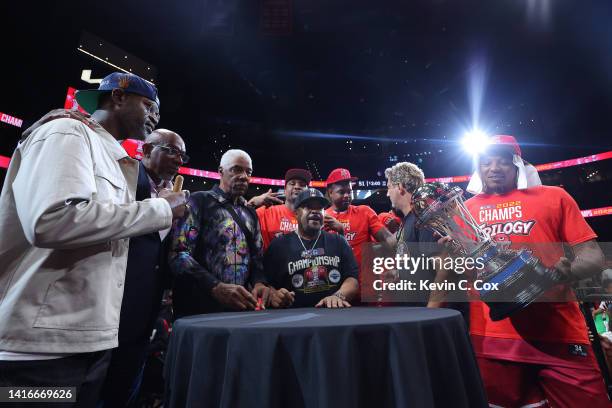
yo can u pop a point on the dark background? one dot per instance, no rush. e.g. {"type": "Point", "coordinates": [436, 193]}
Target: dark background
{"type": "Point", "coordinates": [358, 84]}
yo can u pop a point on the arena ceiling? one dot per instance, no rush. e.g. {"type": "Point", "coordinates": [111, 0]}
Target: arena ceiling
{"type": "Point", "coordinates": [357, 84]}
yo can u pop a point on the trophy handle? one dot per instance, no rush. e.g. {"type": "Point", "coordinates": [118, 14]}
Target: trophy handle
{"type": "Point", "coordinates": [548, 274]}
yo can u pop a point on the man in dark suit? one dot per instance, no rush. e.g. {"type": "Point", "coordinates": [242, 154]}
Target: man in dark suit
{"type": "Point", "coordinates": [147, 274]}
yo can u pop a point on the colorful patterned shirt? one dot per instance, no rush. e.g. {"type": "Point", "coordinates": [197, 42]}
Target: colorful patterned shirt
{"type": "Point", "coordinates": [210, 246]}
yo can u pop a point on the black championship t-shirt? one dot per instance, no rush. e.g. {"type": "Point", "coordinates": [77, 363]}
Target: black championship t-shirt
{"type": "Point", "coordinates": [312, 275]}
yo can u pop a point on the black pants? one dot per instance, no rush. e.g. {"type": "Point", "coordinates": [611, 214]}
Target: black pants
{"type": "Point", "coordinates": [85, 371]}
{"type": "Point", "coordinates": [123, 373]}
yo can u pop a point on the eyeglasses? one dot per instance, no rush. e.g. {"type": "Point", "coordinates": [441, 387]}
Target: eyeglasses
{"type": "Point", "coordinates": [173, 152]}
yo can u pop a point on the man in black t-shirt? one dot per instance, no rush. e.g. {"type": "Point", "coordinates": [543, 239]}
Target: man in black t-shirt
{"type": "Point", "coordinates": [403, 179]}
{"type": "Point", "coordinates": [311, 267]}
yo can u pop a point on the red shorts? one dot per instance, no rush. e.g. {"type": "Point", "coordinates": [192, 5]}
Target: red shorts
{"type": "Point", "coordinates": [511, 384]}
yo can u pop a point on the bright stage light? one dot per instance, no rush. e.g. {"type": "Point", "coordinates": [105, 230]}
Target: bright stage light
{"type": "Point", "coordinates": [475, 141]}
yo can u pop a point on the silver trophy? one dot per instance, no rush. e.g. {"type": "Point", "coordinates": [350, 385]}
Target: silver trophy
{"type": "Point", "coordinates": [519, 276]}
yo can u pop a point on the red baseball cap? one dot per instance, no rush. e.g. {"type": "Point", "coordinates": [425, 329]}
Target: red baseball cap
{"type": "Point", "coordinates": [505, 141]}
{"type": "Point", "coordinates": [338, 175]}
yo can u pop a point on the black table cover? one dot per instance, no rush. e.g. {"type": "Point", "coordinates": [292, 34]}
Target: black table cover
{"type": "Point", "coordinates": [357, 357]}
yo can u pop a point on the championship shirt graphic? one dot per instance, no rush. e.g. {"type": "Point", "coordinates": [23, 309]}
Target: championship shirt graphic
{"type": "Point", "coordinates": [503, 220]}
{"type": "Point", "coordinates": [314, 274]}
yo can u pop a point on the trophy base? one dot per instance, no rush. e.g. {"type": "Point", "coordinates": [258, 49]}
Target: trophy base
{"type": "Point", "coordinates": [520, 281]}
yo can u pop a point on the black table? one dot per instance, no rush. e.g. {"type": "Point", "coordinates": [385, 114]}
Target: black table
{"type": "Point", "coordinates": [358, 357]}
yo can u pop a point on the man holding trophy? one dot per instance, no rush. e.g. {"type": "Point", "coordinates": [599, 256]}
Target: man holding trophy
{"type": "Point", "coordinates": [531, 343]}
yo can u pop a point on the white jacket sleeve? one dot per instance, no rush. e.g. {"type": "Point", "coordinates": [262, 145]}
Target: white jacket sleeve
{"type": "Point", "coordinates": [56, 198]}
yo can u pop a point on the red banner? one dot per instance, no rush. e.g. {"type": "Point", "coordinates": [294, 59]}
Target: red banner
{"type": "Point", "coordinates": [453, 179]}
{"type": "Point", "coordinates": [574, 162]}
{"type": "Point", "coordinates": [199, 173]}
{"type": "Point", "coordinates": [134, 149]}
{"type": "Point", "coordinates": [70, 102]}
{"type": "Point", "coordinates": [11, 120]}
{"type": "Point", "coordinates": [596, 212]}
{"type": "Point", "coordinates": [539, 167]}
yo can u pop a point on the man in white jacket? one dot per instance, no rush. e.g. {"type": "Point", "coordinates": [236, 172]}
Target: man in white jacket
{"type": "Point", "coordinates": [67, 211]}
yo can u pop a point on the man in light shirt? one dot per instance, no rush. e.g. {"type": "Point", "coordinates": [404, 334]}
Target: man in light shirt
{"type": "Point", "coordinates": [67, 211]}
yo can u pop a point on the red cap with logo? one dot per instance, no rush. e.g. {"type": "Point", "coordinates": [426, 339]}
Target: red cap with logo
{"type": "Point", "coordinates": [506, 141]}
{"type": "Point", "coordinates": [339, 175]}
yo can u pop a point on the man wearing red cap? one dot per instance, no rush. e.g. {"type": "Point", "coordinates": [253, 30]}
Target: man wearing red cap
{"type": "Point", "coordinates": [539, 356]}
{"type": "Point", "coordinates": [358, 223]}
{"type": "Point", "coordinates": [276, 220]}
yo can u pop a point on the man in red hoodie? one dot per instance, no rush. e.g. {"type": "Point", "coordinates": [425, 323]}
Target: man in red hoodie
{"type": "Point", "coordinates": [539, 356]}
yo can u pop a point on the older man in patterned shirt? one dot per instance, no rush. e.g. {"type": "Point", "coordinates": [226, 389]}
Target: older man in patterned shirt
{"type": "Point", "coordinates": [217, 248]}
